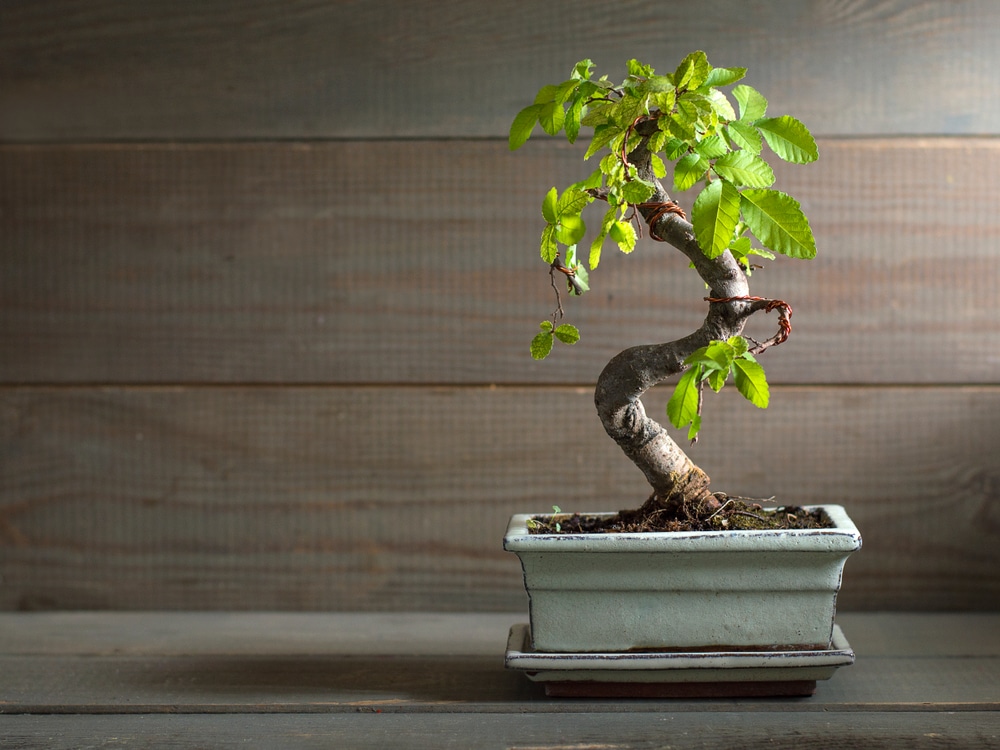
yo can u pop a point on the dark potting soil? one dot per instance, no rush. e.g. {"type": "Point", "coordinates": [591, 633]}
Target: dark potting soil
{"type": "Point", "coordinates": [728, 514]}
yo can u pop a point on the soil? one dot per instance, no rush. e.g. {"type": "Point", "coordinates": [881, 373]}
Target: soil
{"type": "Point", "coordinates": [725, 513]}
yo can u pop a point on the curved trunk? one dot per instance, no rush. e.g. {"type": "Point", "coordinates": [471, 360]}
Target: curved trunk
{"type": "Point", "coordinates": [675, 480]}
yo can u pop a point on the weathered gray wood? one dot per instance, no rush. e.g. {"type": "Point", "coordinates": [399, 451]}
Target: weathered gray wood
{"type": "Point", "coordinates": [232, 69]}
{"type": "Point", "coordinates": [445, 684]}
{"type": "Point", "coordinates": [400, 254]}
{"type": "Point", "coordinates": [883, 635]}
{"type": "Point", "coordinates": [434, 680]}
{"type": "Point", "coordinates": [416, 262]}
{"type": "Point", "coordinates": [622, 731]}
{"type": "Point", "coordinates": [397, 498]}
{"type": "Point", "coordinates": [435, 663]}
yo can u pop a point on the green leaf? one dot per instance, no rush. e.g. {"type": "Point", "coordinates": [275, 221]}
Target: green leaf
{"type": "Point", "coordinates": [594, 180]}
{"type": "Point", "coordinates": [597, 114]}
{"type": "Point", "coordinates": [549, 248]}
{"type": "Point", "coordinates": [747, 137]}
{"type": "Point", "coordinates": [740, 247]}
{"type": "Point", "coordinates": [739, 344]}
{"type": "Point", "coordinates": [567, 334]}
{"type": "Point", "coordinates": [541, 345]}
{"type": "Point", "coordinates": [663, 100]}
{"type": "Point", "coordinates": [725, 76]}
{"type": "Point", "coordinates": [612, 168]}
{"type": "Point", "coordinates": [603, 135]}
{"type": "Point", "coordinates": [524, 123]}
{"type": "Point", "coordinates": [776, 219]}
{"type": "Point", "coordinates": [582, 69]}
{"type": "Point", "coordinates": [712, 147]}
{"type": "Point", "coordinates": [546, 94]}
{"type": "Point", "coordinates": [570, 229]}
{"type": "Point", "coordinates": [595, 250]}
{"type": "Point", "coordinates": [721, 105]}
{"type": "Point", "coordinates": [688, 170]}
{"type": "Point", "coordinates": [682, 408]}
{"type": "Point", "coordinates": [580, 281]}
{"type": "Point", "coordinates": [751, 382]}
{"type": "Point", "coordinates": [598, 243]}
{"type": "Point", "coordinates": [551, 117]}
{"type": "Point", "coordinates": [717, 379]}
{"type": "Point", "coordinates": [566, 89]}
{"type": "Point", "coordinates": [715, 213]}
{"type": "Point", "coordinates": [549, 212]}
{"type": "Point", "coordinates": [752, 103]}
{"type": "Point", "coordinates": [721, 353]}
{"type": "Point", "coordinates": [760, 252]}
{"type": "Point", "coordinates": [659, 168]}
{"type": "Point", "coordinates": [658, 85]}
{"type": "Point", "coordinates": [687, 112]}
{"type": "Point", "coordinates": [572, 123]}
{"type": "Point", "coordinates": [745, 170]}
{"type": "Point", "coordinates": [695, 428]}
{"type": "Point", "coordinates": [693, 71]}
{"type": "Point", "coordinates": [637, 191]}
{"type": "Point", "coordinates": [623, 233]}
{"type": "Point", "coordinates": [628, 109]}
{"type": "Point", "coordinates": [675, 149]}
{"type": "Point", "coordinates": [682, 131]}
{"type": "Point", "coordinates": [789, 139]}
{"type": "Point", "coordinates": [572, 201]}
{"type": "Point", "coordinates": [638, 69]}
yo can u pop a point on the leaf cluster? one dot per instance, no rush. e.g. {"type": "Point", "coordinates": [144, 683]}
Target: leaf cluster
{"type": "Point", "coordinates": [693, 132]}
{"type": "Point", "coordinates": [714, 364]}
{"type": "Point", "coordinates": [542, 343]}
{"type": "Point", "coordinates": [700, 132]}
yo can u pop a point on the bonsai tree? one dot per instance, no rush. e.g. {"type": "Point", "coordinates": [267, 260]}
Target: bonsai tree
{"type": "Point", "coordinates": [683, 128]}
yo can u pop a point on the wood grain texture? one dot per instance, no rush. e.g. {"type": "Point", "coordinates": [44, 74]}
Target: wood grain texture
{"type": "Point", "coordinates": [370, 730]}
{"type": "Point", "coordinates": [397, 498]}
{"type": "Point", "coordinates": [403, 262]}
{"type": "Point", "coordinates": [120, 70]}
{"type": "Point", "coordinates": [261, 263]}
{"type": "Point", "coordinates": [437, 680]}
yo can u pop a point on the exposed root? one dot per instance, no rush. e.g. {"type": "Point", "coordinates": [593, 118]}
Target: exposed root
{"type": "Point", "coordinates": [718, 512]}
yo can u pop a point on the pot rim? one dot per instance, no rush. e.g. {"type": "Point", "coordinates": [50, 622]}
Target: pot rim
{"type": "Point", "coordinates": [843, 536]}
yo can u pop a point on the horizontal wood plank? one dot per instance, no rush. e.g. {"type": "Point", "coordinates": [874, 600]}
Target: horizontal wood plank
{"type": "Point", "coordinates": [426, 663]}
{"type": "Point", "coordinates": [118, 70]}
{"type": "Point", "coordinates": [416, 262]}
{"type": "Point", "coordinates": [882, 635]}
{"type": "Point", "coordinates": [397, 498]}
{"type": "Point", "coordinates": [374, 730]}
{"type": "Point", "coordinates": [181, 680]}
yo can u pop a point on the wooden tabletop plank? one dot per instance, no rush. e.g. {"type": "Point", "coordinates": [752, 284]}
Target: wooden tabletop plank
{"type": "Point", "coordinates": [625, 730]}
{"type": "Point", "coordinates": [310, 680]}
{"type": "Point", "coordinates": [345, 663]}
{"type": "Point", "coordinates": [888, 635]}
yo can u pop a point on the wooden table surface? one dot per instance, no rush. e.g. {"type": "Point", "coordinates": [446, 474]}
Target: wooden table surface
{"type": "Point", "coordinates": [186, 680]}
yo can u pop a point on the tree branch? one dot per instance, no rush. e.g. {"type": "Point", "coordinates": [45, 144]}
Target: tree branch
{"type": "Point", "coordinates": [672, 475]}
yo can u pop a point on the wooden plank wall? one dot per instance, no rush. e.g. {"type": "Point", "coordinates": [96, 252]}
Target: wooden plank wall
{"type": "Point", "coordinates": [268, 275]}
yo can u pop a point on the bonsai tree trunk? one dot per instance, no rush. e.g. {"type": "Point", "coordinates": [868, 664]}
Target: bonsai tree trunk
{"type": "Point", "coordinates": [680, 488]}
{"type": "Point", "coordinates": [686, 118]}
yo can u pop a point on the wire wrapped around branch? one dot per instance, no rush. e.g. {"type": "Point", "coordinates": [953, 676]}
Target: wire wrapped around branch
{"type": "Point", "coordinates": [767, 305]}
{"type": "Point", "coordinates": [658, 211]}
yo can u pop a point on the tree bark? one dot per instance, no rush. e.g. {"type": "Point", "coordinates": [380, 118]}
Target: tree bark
{"type": "Point", "coordinates": [676, 481]}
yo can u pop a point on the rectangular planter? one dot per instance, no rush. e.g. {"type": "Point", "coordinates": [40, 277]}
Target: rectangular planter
{"type": "Point", "coordinates": [712, 590]}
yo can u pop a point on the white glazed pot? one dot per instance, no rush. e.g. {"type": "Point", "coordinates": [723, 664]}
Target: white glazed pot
{"type": "Point", "coordinates": [712, 590]}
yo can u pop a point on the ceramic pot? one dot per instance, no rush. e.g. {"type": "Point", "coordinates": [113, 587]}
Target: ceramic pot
{"type": "Point", "coordinates": [708, 590]}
